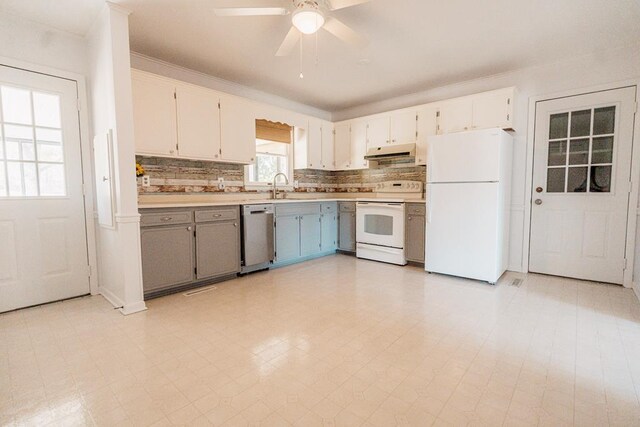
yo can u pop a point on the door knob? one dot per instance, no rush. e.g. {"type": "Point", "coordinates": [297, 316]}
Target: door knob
{"type": "Point", "coordinates": [538, 202]}
{"type": "Point", "coordinates": [538, 189]}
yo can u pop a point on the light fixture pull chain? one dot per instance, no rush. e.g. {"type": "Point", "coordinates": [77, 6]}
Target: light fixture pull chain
{"type": "Point", "coordinates": [301, 40]}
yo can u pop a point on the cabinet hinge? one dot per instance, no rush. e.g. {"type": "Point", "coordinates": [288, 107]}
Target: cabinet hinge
{"type": "Point", "coordinates": [220, 151]}
{"type": "Point", "coordinates": [89, 272]}
{"type": "Point", "coordinates": [333, 131]}
{"type": "Point", "coordinates": [174, 95]}
{"type": "Point", "coordinates": [176, 146]}
{"type": "Point", "coordinates": [508, 116]}
{"type": "Point", "coordinates": [195, 270]}
{"type": "Point", "coordinates": [630, 186]}
{"type": "Point", "coordinates": [437, 113]}
{"type": "Point", "coordinates": [218, 105]}
{"type": "Point", "coordinates": [508, 101]}
{"type": "Point", "coordinates": [416, 117]}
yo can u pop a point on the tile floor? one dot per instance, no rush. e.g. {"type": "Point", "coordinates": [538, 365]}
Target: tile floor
{"type": "Point", "coordinates": [331, 342]}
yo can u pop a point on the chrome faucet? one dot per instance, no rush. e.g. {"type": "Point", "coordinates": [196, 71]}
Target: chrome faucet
{"type": "Point", "coordinates": [275, 184]}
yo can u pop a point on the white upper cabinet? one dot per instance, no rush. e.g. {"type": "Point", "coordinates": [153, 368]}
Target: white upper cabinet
{"type": "Point", "coordinates": [358, 145]}
{"type": "Point", "coordinates": [314, 144]}
{"type": "Point", "coordinates": [198, 122]}
{"type": "Point", "coordinates": [154, 115]}
{"type": "Point", "coordinates": [481, 111]}
{"type": "Point", "coordinates": [342, 144]}
{"type": "Point", "coordinates": [377, 131]}
{"type": "Point", "coordinates": [427, 126]}
{"type": "Point", "coordinates": [403, 127]}
{"type": "Point", "coordinates": [456, 116]}
{"type": "Point", "coordinates": [493, 109]}
{"type": "Point", "coordinates": [328, 160]}
{"type": "Point", "coordinates": [238, 130]}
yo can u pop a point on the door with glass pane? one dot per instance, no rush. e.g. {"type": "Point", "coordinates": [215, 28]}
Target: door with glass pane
{"type": "Point", "coordinates": [581, 183]}
{"type": "Point", "coordinates": [43, 244]}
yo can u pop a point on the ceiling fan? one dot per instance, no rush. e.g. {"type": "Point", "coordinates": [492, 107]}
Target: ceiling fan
{"type": "Point", "coordinates": [307, 17]}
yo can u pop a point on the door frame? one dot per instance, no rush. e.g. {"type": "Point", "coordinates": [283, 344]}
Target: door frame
{"type": "Point", "coordinates": [85, 153]}
{"type": "Point", "coordinates": [633, 213]}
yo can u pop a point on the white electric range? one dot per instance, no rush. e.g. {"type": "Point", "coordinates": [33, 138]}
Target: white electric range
{"type": "Point", "coordinates": [380, 221]}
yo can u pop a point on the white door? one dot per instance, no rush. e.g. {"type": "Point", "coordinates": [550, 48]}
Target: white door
{"type": "Point", "coordinates": [198, 122]}
{"type": "Point", "coordinates": [342, 141]}
{"type": "Point", "coordinates": [582, 164]}
{"type": "Point", "coordinates": [404, 127]}
{"type": "Point", "coordinates": [314, 145]}
{"type": "Point", "coordinates": [328, 161]}
{"type": "Point", "coordinates": [427, 128]}
{"type": "Point", "coordinates": [378, 132]}
{"type": "Point", "coordinates": [237, 129]}
{"type": "Point", "coordinates": [43, 244]}
{"type": "Point", "coordinates": [456, 116]}
{"type": "Point", "coordinates": [359, 145]}
{"type": "Point", "coordinates": [154, 115]}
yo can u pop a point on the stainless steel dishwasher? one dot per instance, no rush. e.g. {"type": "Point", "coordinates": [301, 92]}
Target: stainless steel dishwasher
{"type": "Point", "coordinates": [257, 237]}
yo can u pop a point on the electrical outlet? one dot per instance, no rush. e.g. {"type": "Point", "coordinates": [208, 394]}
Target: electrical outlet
{"type": "Point", "coordinates": [295, 184]}
{"type": "Point", "coordinates": [146, 181]}
{"type": "Point", "coordinates": [221, 183]}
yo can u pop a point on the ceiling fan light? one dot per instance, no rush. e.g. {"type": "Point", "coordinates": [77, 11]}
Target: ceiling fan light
{"type": "Point", "coordinates": [308, 21]}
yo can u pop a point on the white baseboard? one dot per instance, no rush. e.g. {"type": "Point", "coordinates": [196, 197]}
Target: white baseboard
{"type": "Point", "coordinates": [111, 297]}
{"type": "Point", "coordinates": [133, 308]}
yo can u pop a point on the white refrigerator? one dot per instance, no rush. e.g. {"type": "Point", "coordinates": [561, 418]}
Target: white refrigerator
{"type": "Point", "coordinates": [468, 202]}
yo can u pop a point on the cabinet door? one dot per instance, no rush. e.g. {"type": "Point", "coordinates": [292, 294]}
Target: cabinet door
{"type": "Point", "coordinates": [314, 145]}
{"type": "Point", "coordinates": [167, 256]}
{"type": "Point", "coordinates": [198, 123]}
{"type": "Point", "coordinates": [359, 145]}
{"type": "Point", "coordinates": [342, 151]}
{"type": "Point", "coordinates": [378, 131]}
{"type": "Point", "coordinates": [328, 161]}
{"type": "Point", "coordinates": [347, 231]}
{"type": "Point", "coordinates": [404, 127]}
{"type": "Point", "coordinates": [415, 232]}
{"type": "Point", "coordinates": [238, 130]}
{"type": "Point", "coordinates": [287, 238]}
{"type": "Point", "coordinates": [329, 232]}
{"type": "Point", "coordinates": [217, 249]}
{"type": "Point", "coordinates": [427, 126]}
{"type": "Point", "coordinates": [154, 115]}
{"type": "Point", "coordinates": [310, 235]}
{"type": "Point", "coordinates": [492, 109]}
{"type": "Point", "coordinates": [456, 116]}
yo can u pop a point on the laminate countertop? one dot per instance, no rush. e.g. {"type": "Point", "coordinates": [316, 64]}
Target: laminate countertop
{"type": "Point", "coordinates": [241, 202]}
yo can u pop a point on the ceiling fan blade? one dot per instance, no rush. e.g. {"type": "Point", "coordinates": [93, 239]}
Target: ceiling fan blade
{"type": "Point", "coordinates": [344, 33]}
{"type": "Point", "coordinates": [341, 4]}
{"type": "Point", "coordinates": [250, 11]}
{"type": "Point", "coordinates": [290, 41]}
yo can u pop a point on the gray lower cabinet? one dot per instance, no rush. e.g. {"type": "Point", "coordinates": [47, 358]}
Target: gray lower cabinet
{"type": "Point", "coordinates": [305, 230]}
{"type": "Point", "coordinates": [310, 235]}
{"type": "Point", "coordinates": [415, 226]}
{"type": "Point", "coordinates": [347, 226]}
{"type": "Point", "coordinates": [287, 238]}
{"type": "Point", "coordinates": [217, 249]}
{"type": "Point", "coordinates": [167, 256]}
{"type": "Point", "coordinates": [185, 246]}
{"type": "Point", "coordinates": [329, 225]}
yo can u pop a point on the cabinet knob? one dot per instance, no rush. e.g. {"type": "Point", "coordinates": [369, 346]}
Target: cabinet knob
{"type": "Point", "coordinates": [167, 218]}
{"type": "Point", "coordinates": [409, 218]}
{"type": "Point", "coordinates": [216, 156]}
{"type": "Point", "coordinates": [235, 224]}
{"type": "Point", "coordinates": [393, 140]}
{"type": "Point", "coordinates": [189, 228]}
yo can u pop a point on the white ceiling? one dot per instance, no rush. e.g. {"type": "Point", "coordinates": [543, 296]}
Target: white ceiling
{"type": "Point", "coordinates": [414, 44]}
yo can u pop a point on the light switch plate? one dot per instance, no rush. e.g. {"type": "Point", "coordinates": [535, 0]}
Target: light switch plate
{"type": "Point", "coordinates": [146, 181]}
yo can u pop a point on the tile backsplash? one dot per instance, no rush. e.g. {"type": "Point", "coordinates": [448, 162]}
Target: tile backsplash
{"type": "Point", "coordinates": [173, 176]}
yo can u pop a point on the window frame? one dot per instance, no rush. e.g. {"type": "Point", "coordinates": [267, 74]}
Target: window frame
{"type": "Point", "coordinates": [268, 186]}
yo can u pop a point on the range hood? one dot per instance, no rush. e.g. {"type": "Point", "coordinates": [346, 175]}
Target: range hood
{"type": "Point", "coordinates": [401, 153]}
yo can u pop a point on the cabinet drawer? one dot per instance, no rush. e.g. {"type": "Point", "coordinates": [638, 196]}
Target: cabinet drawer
{"type": "Point", "coordinates": [330, 207]}
{"type": "Point", "coordinates": [298, 209]}
{"type": "Point", "coordinates": [347, 206]}
{"type": "Point", "coordinates": [416, 209]}
{"type": "Point", "coordinates": [165, 218]}
{"type": "Point", "coordinates": [228, 214]}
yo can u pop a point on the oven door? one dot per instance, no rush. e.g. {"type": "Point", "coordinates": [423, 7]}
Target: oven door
{"type": "Point", "coordinates": [380, 224]}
